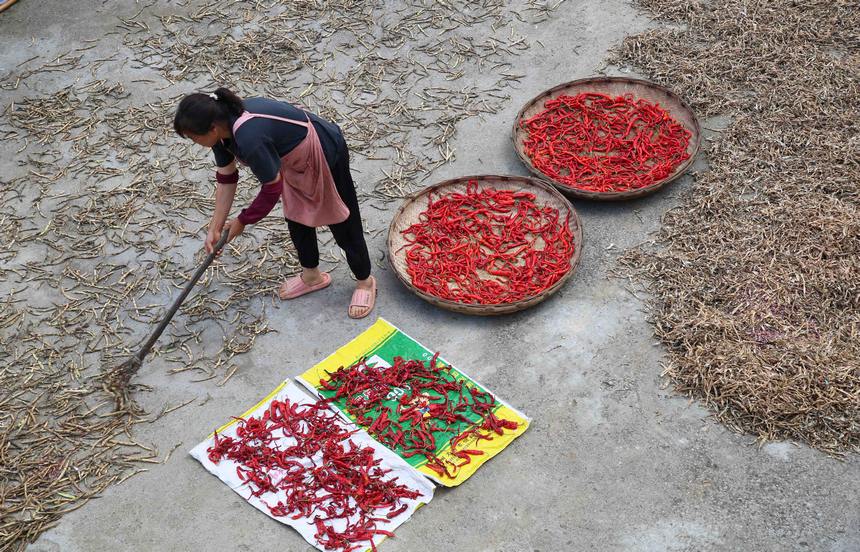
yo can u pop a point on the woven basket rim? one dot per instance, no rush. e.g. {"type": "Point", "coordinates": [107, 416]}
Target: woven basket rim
{"type": "Point", "coordinates": [574, 223]}
{"type": "Point", "coordinates": [696, 140]}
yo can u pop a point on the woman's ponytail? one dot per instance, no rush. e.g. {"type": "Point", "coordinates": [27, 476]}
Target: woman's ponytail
{"type": "Point", "coordinates": [198, 112]}
{"type": "Point", "coordinates": [231, 102]}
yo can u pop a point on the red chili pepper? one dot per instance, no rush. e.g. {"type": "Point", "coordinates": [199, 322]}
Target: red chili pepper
{"type": "Point", "coordinates": [487, 246]}
{"type": "Point", "coordinates": [597, 143]}
{"type": "Point", "coordinates": [430, 400]}
{"type": "Point", "coordinates": [348, 484]}
{"type": "Point", "coordinates": [397, 512]}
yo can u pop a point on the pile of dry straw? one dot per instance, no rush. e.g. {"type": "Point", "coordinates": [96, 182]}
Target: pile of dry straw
{"type": "Point", "coordinates": [756, 275]}
{"type": "Point", "coordinates": [103, 209]}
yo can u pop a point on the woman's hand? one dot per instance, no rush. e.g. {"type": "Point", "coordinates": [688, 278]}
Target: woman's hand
{"type": "Point", "coordinates": [212, 237]}
{"type": "Point", "coordinates": [236, 227]}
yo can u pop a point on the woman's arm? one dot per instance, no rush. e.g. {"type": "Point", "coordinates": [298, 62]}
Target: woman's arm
{"type": "Point", "coordinates": [263, 204]}
{"type": "Point", "coordinates": [227, 177]}
{"type": "Point", "coordinates": [228, 169]}
{"type": "Point", "coordinates": [225, 191]}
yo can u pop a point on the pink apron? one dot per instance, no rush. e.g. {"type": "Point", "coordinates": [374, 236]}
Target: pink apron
{"type": "Point", "coordinates": [308, 195]}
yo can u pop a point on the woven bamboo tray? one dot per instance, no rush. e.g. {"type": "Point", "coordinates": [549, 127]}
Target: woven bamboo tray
{"type": "Point", "coordinates": [415, 204]}
{"type": "Point", "coordinates": [615, 86]}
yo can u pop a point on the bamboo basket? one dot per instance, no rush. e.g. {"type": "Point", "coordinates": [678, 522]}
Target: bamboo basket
{"type": "Point", "coordinates": [614, 86]}
{"type": "Point", "coordinates": [414, 205]}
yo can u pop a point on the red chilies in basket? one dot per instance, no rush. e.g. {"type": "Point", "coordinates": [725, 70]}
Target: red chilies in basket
{"type": "Point", "coordinates": [599, 143]}
{"type": "Point", "coordinates": [487, 246]}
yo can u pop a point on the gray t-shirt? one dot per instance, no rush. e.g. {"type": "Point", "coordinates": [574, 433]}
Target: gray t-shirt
{"type": "Point", "coordinates": [260, 143]}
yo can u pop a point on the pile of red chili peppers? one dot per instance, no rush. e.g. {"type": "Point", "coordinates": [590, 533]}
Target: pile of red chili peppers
{"type": "Point", "coordinates": [325, 475]}
{"type": "Point", "coordinates": [487, 246]}
{"type": "Point", "coordinates": [408, 405]}
{"type": "Point", "coordinates": [598, 143]}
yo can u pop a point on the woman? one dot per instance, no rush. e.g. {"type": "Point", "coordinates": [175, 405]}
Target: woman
{"type": "Point", "coordinates": [298, 157]}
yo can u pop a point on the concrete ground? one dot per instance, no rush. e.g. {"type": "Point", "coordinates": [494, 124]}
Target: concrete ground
{"type": "Point", "coordinates": [614, 460]}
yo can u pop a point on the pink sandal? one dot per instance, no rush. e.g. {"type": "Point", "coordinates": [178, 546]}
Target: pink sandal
{"type": "Point", "coordinates": [363, 298]}
{"type": "Point", "coordinates": [296, 287]}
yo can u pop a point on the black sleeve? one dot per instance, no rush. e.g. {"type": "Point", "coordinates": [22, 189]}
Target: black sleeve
{"type": "Point", "coordinates": [223, 157]}
{"type": "Point", "coordinates": [264, 161]}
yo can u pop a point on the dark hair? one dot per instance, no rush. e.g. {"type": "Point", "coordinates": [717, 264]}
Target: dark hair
{"type": "Point", "coordinates": [198, 112]}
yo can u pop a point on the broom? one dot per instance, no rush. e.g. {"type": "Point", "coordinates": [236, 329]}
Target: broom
{"type": "Point", "coordinates": [116, 381]}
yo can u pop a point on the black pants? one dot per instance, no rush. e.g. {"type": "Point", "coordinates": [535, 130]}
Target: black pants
{"type": "Point", "coordinates": [349, 235]}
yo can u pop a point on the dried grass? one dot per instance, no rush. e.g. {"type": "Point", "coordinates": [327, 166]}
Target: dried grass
{"type": "Point", "coordinates": [103, 224]}
{"type": "Point", "coordinates": [755, 277]}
